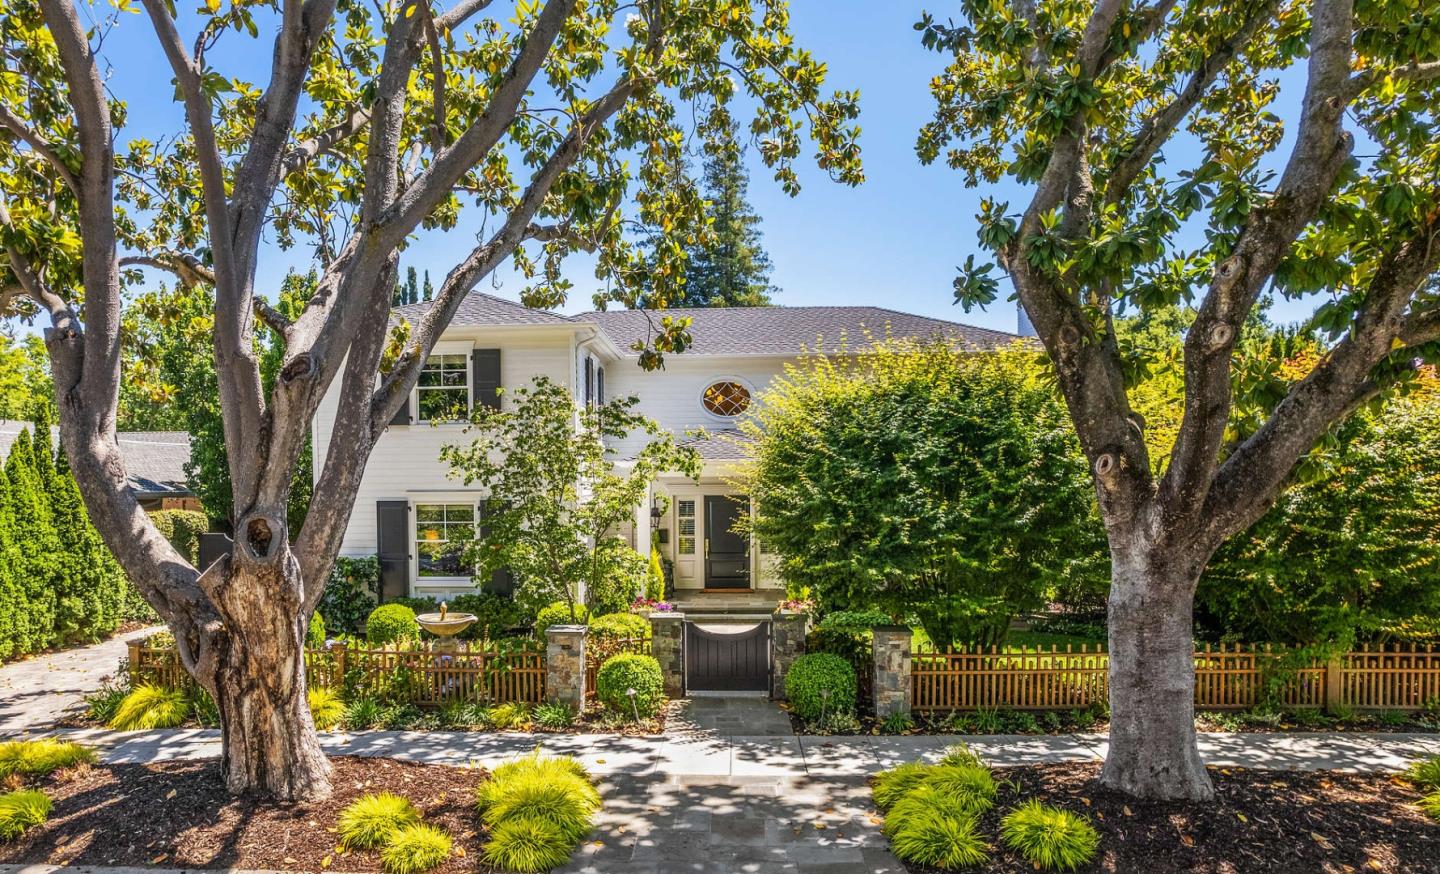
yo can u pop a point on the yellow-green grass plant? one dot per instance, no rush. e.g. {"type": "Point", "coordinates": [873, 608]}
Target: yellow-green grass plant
{"type": "Point", "coordinates": [1049, 838]}
{"type": "Point", "coordinates": [415, 848]}
{"type": "Point", "coordinates": [921, 801]}
{"type": "Point", "coordinates": [971, 784]}
{"type": "Point", "coordinates": [562, 769]}
{"type": "Point", "coordinates": [37, 758]}
{"type": "Point", "coordinates": [22, 810]}
{"type": "Point", "coordinates": [888, 787]}
{"type": "Point", "coordinates": [1425, 774]}
{"type": "Point", "coordinates": [326, 708]}
{"type": "Point", "coordinates": [527, 846]}
{"type": "Point", "coordinates": [511, 714]}
{"type": "Point", "coordinates": [961, 754]}
{"type": "Point", "coordinates": [372, 820]}
{"type": "Point", "coordinates": [149, 706]}
{"type": "Point", "coordinates": [940, 840]}
{"type": "Point", "coordinates": [564, 802]}
{"type": "Point", "coordinates": [1430, 804]}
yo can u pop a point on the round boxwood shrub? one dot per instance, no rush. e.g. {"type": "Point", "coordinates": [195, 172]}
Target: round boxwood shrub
{"type": "Point", "coordinates": [621, 673]}
{"type": "Point", "coordinates": [559, 614]}
{"type": "Point", "coordinates": [814, 673]}
{"type": "Point", "coordinates": [620, 625]}
{"type": "Point", "coordinates": [389, 623]}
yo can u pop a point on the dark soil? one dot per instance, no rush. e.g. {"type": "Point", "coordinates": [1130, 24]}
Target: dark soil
{"type": "Point", "coordinates": [178, 815]}
{"type": "Point", "coordinates": [1261, 821]}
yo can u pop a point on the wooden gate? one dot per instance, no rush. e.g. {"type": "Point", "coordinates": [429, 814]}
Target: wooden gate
{"type": "Point", "coordinates": [727, 658]}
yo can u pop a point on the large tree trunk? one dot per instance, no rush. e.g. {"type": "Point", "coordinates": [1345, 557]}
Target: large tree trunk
{"type": "Point", "coordinates": [258, 680]}
{"type": "Point", "coordinates": [1152, 678]}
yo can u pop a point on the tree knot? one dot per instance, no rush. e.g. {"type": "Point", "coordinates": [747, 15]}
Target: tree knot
{"type": "Point", "coordinates": [1220, 335]}
{"type": "Point", "coordinates": [299, 367]}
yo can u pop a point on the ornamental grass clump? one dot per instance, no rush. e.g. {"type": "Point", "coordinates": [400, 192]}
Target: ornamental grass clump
{"type": "Point", "coordinates": [20, 811]}
{"type": "Point", "coordinates": [1049, 838]}
{"type": "Point", "coordinates": [888, 787]}
{"type": "Point", "coordinates": [537, 810]}
{"type": "Point", "coordinates": [414, 848]}
{"type": "Point", "coordinates": [1425, 774]}
{"type": "Point", "coordinates": [151, 707]}
{"type": "Point", "coordinates": [326, 708]}
{"type": "Point", "coordinates": [970, 785]}
{"type": "Point", "coordinates": [372, 820]}
{"type": "Point", "coordinates": [1430, 804]}
{"type": "Point", "coordinates": [37, 758]}
{"type": "Point", "coordinates": [940, 840]}
{"type": "Point", "coordinates": [922, 801]}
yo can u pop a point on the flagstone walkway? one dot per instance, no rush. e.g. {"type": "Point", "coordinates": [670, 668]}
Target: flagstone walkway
{"type": "Point", "coordinates": [35, 693]}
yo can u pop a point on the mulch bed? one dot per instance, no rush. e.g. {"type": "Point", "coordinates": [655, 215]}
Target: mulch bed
{"type": "Point", "coordinates": [178, 815]}
{"type": "Point", "coordinates": [1260, 821]}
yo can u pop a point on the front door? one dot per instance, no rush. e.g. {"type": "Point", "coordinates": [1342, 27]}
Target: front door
{"type": "Point", "coordinates": [727, 554]}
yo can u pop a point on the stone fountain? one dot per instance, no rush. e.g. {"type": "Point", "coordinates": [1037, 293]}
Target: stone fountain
{"type": "Point", "coordinates": [445, 625]}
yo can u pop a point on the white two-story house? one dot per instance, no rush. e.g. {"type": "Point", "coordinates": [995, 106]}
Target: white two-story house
{"type": "Point", "coordinates": [408, 506]}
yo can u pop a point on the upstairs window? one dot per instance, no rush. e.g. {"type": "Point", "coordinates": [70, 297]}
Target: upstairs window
{"type": "Point", "coordinates": [443, 392]}
{"type": "Point", "coordinates": [440, 534]}
{"type": "Point", "coordinates": [726, 399]}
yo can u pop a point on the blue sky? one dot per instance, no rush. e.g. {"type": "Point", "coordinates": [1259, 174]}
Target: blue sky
{"type": "Point", "coordinates": [893, 241]}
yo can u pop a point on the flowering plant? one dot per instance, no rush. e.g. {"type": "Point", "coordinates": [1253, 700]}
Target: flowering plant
{"type": "Point", "coordinates": [795, 605]}
{"type": "Point", "coordinates": [650, 605]}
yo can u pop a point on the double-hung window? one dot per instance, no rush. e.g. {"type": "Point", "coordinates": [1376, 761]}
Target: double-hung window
{"type": "Point", "coordinates": [441, 532]}
{"type": "Point", "coordinates": [443, 393]}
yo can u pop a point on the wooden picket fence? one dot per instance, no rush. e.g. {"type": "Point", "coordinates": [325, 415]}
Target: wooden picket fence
{"type": "Point", "coordinates": [598, 649]}
{"type": "Point", "coordinates": [417, 676]}
{"type": "Point", "coordinates": [1226, 678]}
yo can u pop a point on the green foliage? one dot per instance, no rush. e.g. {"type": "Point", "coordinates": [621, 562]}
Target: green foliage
{"type": "Point", "coordinates": [494, 614]}
{"type": "Point", "coordinates": [511, 714]}
{"type": "Point", "coordinates": [897, 723]}
{"type": "Point", "coordinates": [100, 705]}
{"type": "Point", "coordinates": [918, 480]}
{"type": "Point", "coordinates": [25, 384]}
{"type": "Point", "coordinates": [1049, 838]}
{"type": "Point", "coordinates": [619, 626]}
{"type": "Point", "coordinates": [315, 632]}
{"type": "Point", "coordinates": [560, 613]}
{"type": "Point", "coordinates": [414, 848]}
{"type": "Point", "coordinates": [1352, 550]}
{"type": "Point", "coordinates": [37, 758]}
{"type": "Point", "coordinates": [564, 801]}
{"type": "Point", "coordinates": [655, 576]}
{"type": "Point", "coordinates": [22, 810]}
{"type": "Point", "coordinates": [961, 754]}
{"type": "Point", "coordinates": [931, 837]}
{"type": "Point", "coordinates": [820, 683]}
{"type": "Point", "coordinates": [554, 716]}
{"type": "Point", "coordinates": [362, 713]}
{"type": "Point", "coordinates": [372, 820]}
{"type": "Point", "coordinates": [626, 672]}
{"type": "Point", "coordinates": [527, 846]}
{"type": "Point", "coordinates": [1425, 774]}
{"type": "Point", "coordinates": [970, 785]}
{"type": "Point", "coordinates": [557, 496]}
{"type": "Point", "coordinates": [391, 623]}
{"type": "Point", "coordinates": [149, 707]}
{"type": "Point", "coordinates": [889, 786]}
{"type": "Point", "coordinates": [183, 529]}
{"type": "Point", "coordinates": [351, 593]}
{"type": "Point", "coordinates": [923, 800]}
{"type": "Point", "coordinates": [326, 708]}
{"type": "Point", "coordinates": [1430, 804]}
{"type": "Point", "coordinates": [204, 708]}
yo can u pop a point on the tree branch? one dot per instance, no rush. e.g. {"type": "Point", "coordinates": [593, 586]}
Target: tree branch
{"type": "Point", "coordinates": [273, 318]}
{"type": "Point", "coordinates": [323, 142]}
{"type": "Point", "coordinates": [1421, 327]}
{"type": "Point", "coordinates": [1411, 72]}
{"type": "Point", "coordinates": [185, 267]}
{"type": "Point", "coordinates": [40, 146]}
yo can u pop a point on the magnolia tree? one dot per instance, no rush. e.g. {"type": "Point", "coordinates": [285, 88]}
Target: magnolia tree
{"type": "Point", "coordinates": [557, 496]}
{"type": "Point", "coordinates": [1074, 101]}
{"type": "Point", "coordinates": [550, 121]}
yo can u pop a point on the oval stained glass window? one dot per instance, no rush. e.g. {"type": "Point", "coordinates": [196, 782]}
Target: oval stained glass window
{"type": "Point", "coordinates": [726, 398]}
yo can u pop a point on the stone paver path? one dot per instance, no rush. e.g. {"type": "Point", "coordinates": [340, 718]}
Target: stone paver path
{"type": "Point", "coordinates": [36, 693]}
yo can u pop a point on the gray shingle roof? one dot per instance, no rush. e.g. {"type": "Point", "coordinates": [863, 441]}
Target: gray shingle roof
{"type": "Point", "coordinates": [480, 309]}
{"type": "Point", "coordinates": [786, 330]}
{"type": "Point", "coordinates": [725, 445]}
{"type": "Point", "coordinates": [155, 460]}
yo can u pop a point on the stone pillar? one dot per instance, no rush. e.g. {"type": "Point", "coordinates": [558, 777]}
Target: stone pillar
{"type": "Point", "coordinates": [891, 651]}
{"type": "Point", "coordinates": [787, 643]}
{"type": "Point", "coordinates": [565, 666]}
{"type": "Point", "coordinates": [667, 644]}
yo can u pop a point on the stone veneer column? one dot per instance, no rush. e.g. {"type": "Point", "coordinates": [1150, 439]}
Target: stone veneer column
{"type": "Point", "coordinates": [667, 644]}
{"type": "Point", "coordinates": [565, 666]}
{"type": "Point", "coordinates": [891, 651]}
{"type": "Point", "coordinates": [787, 643]}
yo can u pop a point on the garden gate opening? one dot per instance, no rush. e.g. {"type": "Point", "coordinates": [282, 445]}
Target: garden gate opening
{"type": "Point", "coordinates": [727, 656]}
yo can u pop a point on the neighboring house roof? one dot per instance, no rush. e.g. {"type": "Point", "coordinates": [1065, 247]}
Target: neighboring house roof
{"type": "Point", "coordinates": [478, 309]}
{"type": "Point", "coordinates": [726, 445]}
{"type": "Point", "coordinates": [155, 460]}
{"type": "Point", "coordinates": [782, 330]}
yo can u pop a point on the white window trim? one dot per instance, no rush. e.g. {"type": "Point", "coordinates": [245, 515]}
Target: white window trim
{"type": "Point", "coordinates": [422, 585]}
{"type": "Point", "coordinates": [740, 380]}
{"type": "Point", "coordinates": [447, 347]}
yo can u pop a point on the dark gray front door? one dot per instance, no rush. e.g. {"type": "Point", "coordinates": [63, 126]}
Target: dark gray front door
{"type": "Point", "coordinates": [727, 554]}
{"type": "Point", "coordinates": [727, 658]}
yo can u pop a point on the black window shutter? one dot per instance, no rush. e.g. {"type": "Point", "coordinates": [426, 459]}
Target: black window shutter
{"type": "Point", "coordinates": [485, 370]}
{"type": "Point", "coordinates": [600, 385]}
{"type": "Point", "coordinates": [502, 581]}
{"type": "Point", "coordinates": [404, 416]}
{"type": "Point", "coordinates": [392, 543]}
{"type": "Point", "coordinates": [589, 381]}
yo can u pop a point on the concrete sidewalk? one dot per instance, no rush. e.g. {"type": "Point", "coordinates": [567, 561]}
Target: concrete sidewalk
{"type": "Point", "coordinates": [35, 693]}
{"type": "Point", "coordinates": [747, 758]}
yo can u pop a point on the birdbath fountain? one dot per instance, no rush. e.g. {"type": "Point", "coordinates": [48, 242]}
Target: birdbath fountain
{"type": "Point", "coordinates": [445, 625]}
